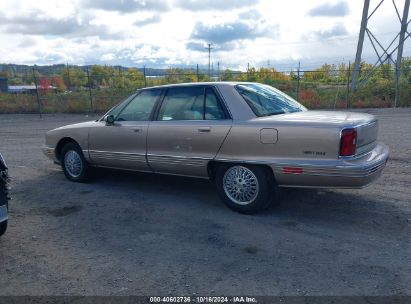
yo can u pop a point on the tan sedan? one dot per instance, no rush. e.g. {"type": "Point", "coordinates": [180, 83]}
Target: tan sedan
{"type": "Point", "coordinates": [248, 138]}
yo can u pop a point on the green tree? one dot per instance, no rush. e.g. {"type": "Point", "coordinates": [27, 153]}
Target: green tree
{"type": "Point", "coordinates": [74, 78]}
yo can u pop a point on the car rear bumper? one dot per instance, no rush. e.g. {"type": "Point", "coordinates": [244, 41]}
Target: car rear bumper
{"type": "Point", "coordinates": [356, 172]}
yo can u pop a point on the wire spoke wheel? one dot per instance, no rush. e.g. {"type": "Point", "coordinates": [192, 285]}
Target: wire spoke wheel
{"type": "Point", "coordinates": [241, 185]}
{"type": "Point", "coordinates": [73, 163]}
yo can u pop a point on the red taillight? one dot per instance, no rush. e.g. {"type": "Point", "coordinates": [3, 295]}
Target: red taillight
{"type": "Point", "coordinates": [348, 142]}
{"type": "Point", "coordinates": [292, 170]}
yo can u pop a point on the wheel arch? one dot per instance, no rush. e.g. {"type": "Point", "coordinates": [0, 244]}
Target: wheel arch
{"type": "Point", "coordinates": [62, 142]}
{"type": "Point", "coordinates": [213, 164]}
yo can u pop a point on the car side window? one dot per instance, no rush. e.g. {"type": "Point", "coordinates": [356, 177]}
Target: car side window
{"type": "Point", "coordinates": [213, 108]}
{"type": "Point", "coordinates": [254, 102]}
{"type": "Point", "coordinates": [186, 103]}
{"type": "Point", "coordinates": [140, 108]}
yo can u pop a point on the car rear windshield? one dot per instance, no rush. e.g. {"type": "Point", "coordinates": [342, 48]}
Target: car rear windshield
{"type": "Point", "coordinates": [265, 100]}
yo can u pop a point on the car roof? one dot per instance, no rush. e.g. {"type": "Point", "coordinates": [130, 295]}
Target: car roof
{"type": "Point", "coordinates": [211, 83]}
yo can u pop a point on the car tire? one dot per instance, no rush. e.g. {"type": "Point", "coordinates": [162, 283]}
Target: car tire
{"type": "Point", "coordinates": [73, 163]}
{"type": "Point", "coordinates": [3, 228]}
{"type": "Point", "coordinates": [3, 201]}
{"type": "Point", "coordinates": [245, 188]}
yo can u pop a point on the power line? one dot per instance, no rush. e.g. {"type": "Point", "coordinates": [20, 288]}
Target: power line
{"type": "Point", "coordinates": [301, 42]}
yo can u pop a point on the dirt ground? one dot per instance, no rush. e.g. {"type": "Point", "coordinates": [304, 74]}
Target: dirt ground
{"type": "Point", "coordinates": [142, 234]}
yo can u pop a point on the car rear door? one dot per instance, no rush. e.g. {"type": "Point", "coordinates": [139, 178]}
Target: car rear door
{"type": "Point", "coordinates": [190, 127]}
{"type": "Point", "coordinates": [124, 143]}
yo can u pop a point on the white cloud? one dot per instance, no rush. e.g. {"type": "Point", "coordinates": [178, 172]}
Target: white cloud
{"type": "Point", "coordinates": [213, 5]}
{"type": "Point", "coordinates": [327, 9]}
{"type": "Point", "coordinates": [336, 30]}
{"type": "Point", "coordinates": [168, 32]}
{"type": "Point", "coordinates": [127, 6]}
{"type": "Point", "coordinates": [108, 57]}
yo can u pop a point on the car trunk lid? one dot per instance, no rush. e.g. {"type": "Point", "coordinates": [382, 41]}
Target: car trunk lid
{"type": "Point", "coordinates": [366, 125]}
{"type": "Point", "coordinates": [331, 118]}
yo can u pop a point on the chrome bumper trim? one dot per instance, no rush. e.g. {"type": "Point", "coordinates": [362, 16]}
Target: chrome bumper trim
{"type": "Point", "coordinates": [49, 152]}
{"type": "Point", "coordinates": [354, 173]}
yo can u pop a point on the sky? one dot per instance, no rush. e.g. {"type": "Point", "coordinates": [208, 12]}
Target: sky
{"type": "Point", "coordinates": [175, 33]}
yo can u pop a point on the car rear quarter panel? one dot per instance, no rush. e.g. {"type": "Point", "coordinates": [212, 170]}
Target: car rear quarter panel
{"type": "Point", "coordinates": [309, 146]}
{"type": "Point", "coordinates": [244, 142]}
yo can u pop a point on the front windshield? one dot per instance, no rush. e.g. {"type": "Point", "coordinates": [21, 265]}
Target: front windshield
{"type": "Point", "coordinates": [265, 100]}
{"type": "Point", "coordinates": [117, 108]}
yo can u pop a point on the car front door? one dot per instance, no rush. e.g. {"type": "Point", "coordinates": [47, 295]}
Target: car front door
{"type": "Point", "coordinates": [123, 143]}
{"type": "Point", "coordinates": [189, 129]}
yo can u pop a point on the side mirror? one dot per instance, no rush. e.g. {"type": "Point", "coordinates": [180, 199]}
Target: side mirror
{"type": "Point", "coordinates": [109, 120]}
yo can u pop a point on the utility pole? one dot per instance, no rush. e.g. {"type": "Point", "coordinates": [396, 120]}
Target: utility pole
{"type": "Point", "coordinates": [363, 27]}
{"type": "Point", "coordinates": [385, 54]}
{"type": "Point", "coordinates": [218, 70]}
{"type": "Point", "coordinates": [37, 91]}
{"type": "Point", "coordinates": [198, 75]}
{"type": "Point", "coordinates": [120, 74]}
{"type": "Point", "coordinates": [212, 69]}
{"type": "Point", "coordinates": [209, 47]}
{"type": "Point", "coordinates": [89, 90]}
{"type": "Point", "coordinates": [404, 24]}
{"type": "Point", "coordinates": [298, 82]}
{"type": "Point", "coordinates": [68, 77]}
{"type": "Point", "coordinates": [145, 78]}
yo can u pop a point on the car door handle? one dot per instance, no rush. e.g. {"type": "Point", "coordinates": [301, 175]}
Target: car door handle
{"type": "Point", "coordinates": [204, 129]}
{"type": "Point", "coordinates": [137, 130]}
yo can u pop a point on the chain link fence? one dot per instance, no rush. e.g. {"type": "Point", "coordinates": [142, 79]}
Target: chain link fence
{"type": "Point", "coordinates": [97, 88]}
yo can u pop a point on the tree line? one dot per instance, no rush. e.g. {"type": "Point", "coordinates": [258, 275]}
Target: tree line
{"type": "Point", "coordinates": [316, 86]}
{"type": "Point", "coordinates": [97, 76]}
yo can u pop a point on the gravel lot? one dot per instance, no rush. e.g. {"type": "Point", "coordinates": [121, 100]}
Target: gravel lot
{"type": "Point", "coordinates": [142, 234]}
